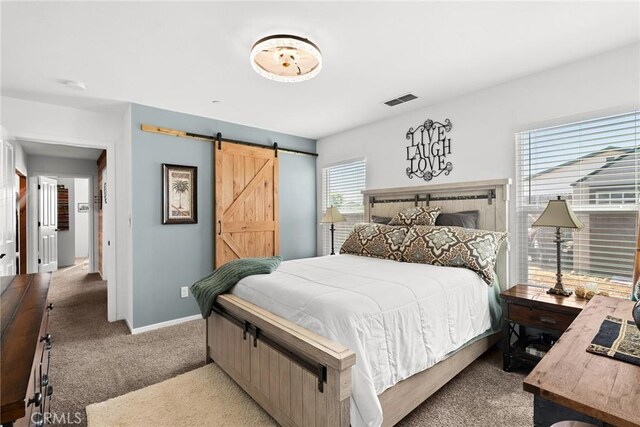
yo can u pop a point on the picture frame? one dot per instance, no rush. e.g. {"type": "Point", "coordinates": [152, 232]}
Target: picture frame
{"type": "Point", "coordinates": [83, 207]}
{"type": "Point", "coordinates": [179, 194]}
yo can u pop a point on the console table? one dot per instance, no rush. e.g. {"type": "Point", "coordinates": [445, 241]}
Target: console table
{"type": "Point", "coordinates": [571, 384]}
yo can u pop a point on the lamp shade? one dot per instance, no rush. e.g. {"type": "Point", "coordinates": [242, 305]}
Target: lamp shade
{"type": "Point", "coordinates": [558, 213]}
{"type": "Point", "coordinates": [331, 216]}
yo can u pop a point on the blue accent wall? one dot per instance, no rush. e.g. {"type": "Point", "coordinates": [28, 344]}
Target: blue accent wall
{"type": "Point", "coordinates": [166, 257]}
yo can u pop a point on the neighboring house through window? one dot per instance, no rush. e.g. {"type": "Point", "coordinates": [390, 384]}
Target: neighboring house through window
{"type": "Point", "coordinates": [342, 187]}
{"type": "Point", "coordinates": [593, 164]}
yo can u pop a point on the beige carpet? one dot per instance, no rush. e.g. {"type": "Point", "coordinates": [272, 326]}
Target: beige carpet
{"type": "Point", "coordinates": [208, 397]}
{"type": "Point", "coordinates": [481, 395]}
{"type": "Point", "coordinates": [203, 397]}
{"type": "Point", "coordinates": [94, 361]}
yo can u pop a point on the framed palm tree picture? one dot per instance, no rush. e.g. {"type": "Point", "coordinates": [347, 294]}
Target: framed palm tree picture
{"type": "Point", "coordinates": [179, 194]}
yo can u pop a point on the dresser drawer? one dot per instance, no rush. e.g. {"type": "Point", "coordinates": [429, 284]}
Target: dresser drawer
{"type": "Point", "coordinates": [539, 317]}
{"type": "Point", "coordinates": [46, 388]}
{"type": "Point", "coordinates": [34, 402]}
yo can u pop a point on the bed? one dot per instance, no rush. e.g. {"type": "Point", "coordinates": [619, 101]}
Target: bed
{"type": "Point", "coordinates": [345, 339]}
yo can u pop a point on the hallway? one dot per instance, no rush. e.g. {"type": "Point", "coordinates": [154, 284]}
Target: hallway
{"type": "Point", "coordinates": [93, 360]}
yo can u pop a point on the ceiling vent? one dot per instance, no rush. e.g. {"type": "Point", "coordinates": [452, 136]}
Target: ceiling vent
{"type": "Point", "coordinates": [399, 100]}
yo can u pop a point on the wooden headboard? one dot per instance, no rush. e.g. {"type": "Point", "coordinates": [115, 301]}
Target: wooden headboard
{"type": "Point", "coordinates": [490, 198]}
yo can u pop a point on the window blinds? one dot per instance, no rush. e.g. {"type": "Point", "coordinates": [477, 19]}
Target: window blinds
{"type": "Point", "coordinates": [593, 164]}
{"type": "Point", "coordinates": [342, 187]}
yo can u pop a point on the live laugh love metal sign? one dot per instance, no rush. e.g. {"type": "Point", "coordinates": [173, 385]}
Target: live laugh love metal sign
{"type": "Point", "coordinates": [428, 151]}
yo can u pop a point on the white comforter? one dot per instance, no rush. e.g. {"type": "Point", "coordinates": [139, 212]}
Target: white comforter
{"type": "Point", "coordinates": [398, 318]}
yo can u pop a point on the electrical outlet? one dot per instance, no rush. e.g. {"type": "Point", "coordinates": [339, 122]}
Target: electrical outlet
{"type": "Point", "coordinates": [184, 292]}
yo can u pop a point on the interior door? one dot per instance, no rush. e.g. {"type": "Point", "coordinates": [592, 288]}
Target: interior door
{"type": "Point", "coordinates": [47, 224]}
{"type": "Point", "coordinates": [7, 210]}
{"type": "Point", "coordinates": [102, 190]}
{"type": "Point", "coordinates": [246, 202]}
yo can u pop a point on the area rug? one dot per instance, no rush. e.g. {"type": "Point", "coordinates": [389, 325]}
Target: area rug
{"type": "Point", "coordinates": [203, 397]}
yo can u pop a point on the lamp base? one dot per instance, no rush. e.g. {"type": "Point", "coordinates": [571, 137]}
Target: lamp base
{"type": "Point", "coordinates": [556, 291]}
{"type": "Point", "coordinates": [333, 252]}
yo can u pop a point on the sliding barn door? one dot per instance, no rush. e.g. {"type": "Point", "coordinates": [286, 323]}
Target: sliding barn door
{"type": "Point", "coordinates": [246, 202]}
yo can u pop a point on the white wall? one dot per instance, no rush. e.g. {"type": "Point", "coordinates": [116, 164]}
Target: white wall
{"type": "Point", "coordinates": [81, 195]}
{"type": "Point", "coordinates": [47, 121]}
{"type": "Point", "coordinates": [42, 122]}
{"type": "Point", "coordinates": [484, 123]}
{"type": "Point", "coordinates": [67, 238]}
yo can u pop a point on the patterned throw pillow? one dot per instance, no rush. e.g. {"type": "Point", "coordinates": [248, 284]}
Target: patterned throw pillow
{"type": "Point", "coordinates": [375, 240]}
{"type": "Point", "coordinates": [476, 250]}
{"type": "Point", "coordinates": [420, 215]}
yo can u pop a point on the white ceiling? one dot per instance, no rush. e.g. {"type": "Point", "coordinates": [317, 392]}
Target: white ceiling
{"type": "Point", "coordinates": [32, 148]}
{"type": "Point", "coordinates": [182, 55]}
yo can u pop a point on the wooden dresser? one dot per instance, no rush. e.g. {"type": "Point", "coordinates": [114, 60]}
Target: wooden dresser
{"type": "Point", "coordinates": [26, 350]}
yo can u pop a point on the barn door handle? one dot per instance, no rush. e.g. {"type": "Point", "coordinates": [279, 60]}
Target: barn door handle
{"type": "Point", "coordinates": [2, 255]}
{"type": "Point", "coordinates": [219, 228]}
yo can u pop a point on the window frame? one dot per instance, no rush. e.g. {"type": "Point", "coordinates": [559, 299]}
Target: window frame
{"type": "Point", "coordinates": [344, 228]}
{"type": "Point", "coordinates": [618, 133]}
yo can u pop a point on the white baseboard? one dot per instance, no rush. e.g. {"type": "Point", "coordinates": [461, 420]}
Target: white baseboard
{"type": "Point", "coordinates": [128, 324]}
{"type": "Point", "coordinates": [163, 324]}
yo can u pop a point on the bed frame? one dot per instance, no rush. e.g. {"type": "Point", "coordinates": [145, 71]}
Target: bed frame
{"type": "Point", "coordinates": [301, 378]}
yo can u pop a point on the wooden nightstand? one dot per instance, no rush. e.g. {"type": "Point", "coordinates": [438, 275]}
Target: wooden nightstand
{"type": "Point", "coordinates": [531, 306]}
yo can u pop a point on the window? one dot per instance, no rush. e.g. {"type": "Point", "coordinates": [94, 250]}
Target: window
{"type": "Point", "coordinates": [342, 187]}
{"type": "Point", "coordinates": [616, 197]}
{"type": "Point", "coordinates": [594, 165]}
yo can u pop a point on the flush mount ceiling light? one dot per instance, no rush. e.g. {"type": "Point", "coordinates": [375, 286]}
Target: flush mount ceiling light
{"type": "Point", "coordinates": [286, 58]}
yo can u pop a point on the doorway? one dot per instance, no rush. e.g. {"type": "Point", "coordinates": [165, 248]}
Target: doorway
{"type": "Point", "coordinates": [74, 225]}
{"type": "Point", "coordinates": [82, 211]}
{"type": "Point", "coordinates": [102, 194]}
{"type": "Point", "coordinates": [69, 159]}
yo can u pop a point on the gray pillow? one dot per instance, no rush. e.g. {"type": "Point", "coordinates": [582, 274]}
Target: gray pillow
{"type": "Point", "coordinates": [465, 219]}
{"type": "Point", "coordinates": [380, 219]}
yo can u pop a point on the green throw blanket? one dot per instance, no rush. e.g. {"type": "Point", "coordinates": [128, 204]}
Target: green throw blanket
{"type": "Point", "coordinates": [224, 278]}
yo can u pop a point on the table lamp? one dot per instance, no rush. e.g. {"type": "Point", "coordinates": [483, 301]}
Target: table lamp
{"type": "Point", "coordinates": [331, 216]}
{"type": "Point", "coordinates": [558, 214]}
